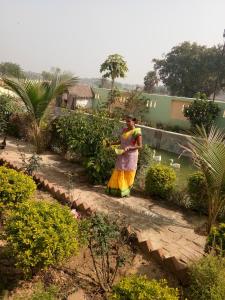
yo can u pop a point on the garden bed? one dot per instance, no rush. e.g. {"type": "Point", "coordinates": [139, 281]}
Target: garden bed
{"type": "Point", "coordinates": [75, 274]}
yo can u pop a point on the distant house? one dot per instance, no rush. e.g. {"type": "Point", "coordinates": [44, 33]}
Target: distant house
{"type": "Point", "coordinates": [77, 96]}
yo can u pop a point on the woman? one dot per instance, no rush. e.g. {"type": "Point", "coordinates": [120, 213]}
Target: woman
{"type": "Point", "coordinates": [123, 175]}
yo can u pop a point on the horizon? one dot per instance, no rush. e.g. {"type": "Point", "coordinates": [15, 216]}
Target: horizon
{"type": "Point", "coordinates": [77, 36]}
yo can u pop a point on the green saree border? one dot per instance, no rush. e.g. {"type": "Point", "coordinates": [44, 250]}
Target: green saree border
{"type": "Point", "coordinates": [118, 192]}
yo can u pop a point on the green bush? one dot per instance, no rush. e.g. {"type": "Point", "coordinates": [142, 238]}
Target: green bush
{"type": "Point", "coordinates": [41, 234]}
{"type": "Point", "coordinates": [15, 187]}
{"type": "Point", "coordinates": [202, 112]}
{"type": "Point", "coordinates": [140, 288]}
{"type": "Point", "coordinates": [207, 279]}
{"type": "Point", "coordinates": [216, 239]}
{"type": "Point", "coordinates": [86, 135]}
{"type": "Point", "coordinates": [99, 167]}
{"type": "Point", "coordinates": [197, 191]}
{"type": "Point", "coordinates": [144, 162]}
{"type": "Point", "coordinates": [160, 180]}
{"type": "Point", "coordinates": [8, 106]}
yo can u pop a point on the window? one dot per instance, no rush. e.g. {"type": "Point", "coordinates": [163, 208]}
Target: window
{"type": "Point", "coordinates": [183, 106]}
{"type": "Point", "coordinates": [155, 104]}
{"type": "Point", "coordinates": [224, 114]}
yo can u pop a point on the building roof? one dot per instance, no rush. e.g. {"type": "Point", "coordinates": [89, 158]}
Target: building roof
{"type": "Point", "coordinates": [81, 91]}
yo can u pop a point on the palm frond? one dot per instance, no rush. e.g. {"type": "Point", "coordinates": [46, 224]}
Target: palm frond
{"type": "Point", "coordinates": [208, 153]}
{"type": "Point", "coordinates": [19, 87]}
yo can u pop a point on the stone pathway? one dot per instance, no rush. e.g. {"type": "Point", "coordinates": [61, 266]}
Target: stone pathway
{"type": "Point", "coordinates": [167, 228]}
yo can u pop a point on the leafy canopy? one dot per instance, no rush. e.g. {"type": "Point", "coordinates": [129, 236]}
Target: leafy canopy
{"type": "Point", "coordinates": [150, 81]}
{"type": "Point", "coordinates": [113, 67]}
{"type": "Point", "coordinates": [11, 70]}
{"type": "Point", "coordinates": [202, 112]}
{"type": "Point", "coordinates": [190, 68]}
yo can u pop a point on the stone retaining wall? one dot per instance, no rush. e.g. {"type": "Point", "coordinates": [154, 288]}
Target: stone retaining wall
{"type": "Point", "coordinates": [164, 140]}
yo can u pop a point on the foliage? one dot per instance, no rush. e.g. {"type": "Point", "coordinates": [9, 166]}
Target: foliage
{"type": "Point", "coordinates": [99, 167]}
{"type": "Point", "coordinates": [197, 190]}
{"type": "Point", "coordinates": [41, 234]}
{"type": "Point", "coordinates": [160, 180]}
{"type": "Point", "coordinates": [36, 96]}
{"type": "Point", "coordinates": [150, 82]}
{"type": "Point", "coordinates": [105, 241]}
{"type": "Point", "coordinates": [30, 164]}
{"type": "Point", "coordinates": [144, 162]}
{"type": "Point", "coordinates": [135, 104]}
{"type": "Point", "coordinates": [15, 187]}
{"type": "Point", "coordinates": [202, 112]}
{"type": "Point", "coordinates": [207, 279]}
{"type": "Point", "coordinates": [8, 106]}
{"type": "Point", "coordinates": [140, 288]}
{"type": "Point", "coordinates": [113, 67]}
{"type": "Point", "coordinates": [11, 70]}
{"type": "Point", "coordinates": [216, 239]}
{"type": "Point", "coordinates": [40, 293]}
{"type": "Point", "coordinates": [190, 68]}
{"type": "Point", "coordinates": [87, 135]}
{"type": "Point", "coordinates": [113, 96]}
{"type": "Point", "coordinates": [208, 153]}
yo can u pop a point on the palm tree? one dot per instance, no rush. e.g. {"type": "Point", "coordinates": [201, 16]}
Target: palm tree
{"type": "Point", "coordinates": [208, 153]}
{"type": "Point", "coordinates": [36, 96]}
{"type": "Point", "coordinates": [113, 67]}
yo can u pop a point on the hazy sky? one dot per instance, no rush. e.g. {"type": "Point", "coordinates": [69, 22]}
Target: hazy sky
{"type": "Point", "coordinates": [77, 35]}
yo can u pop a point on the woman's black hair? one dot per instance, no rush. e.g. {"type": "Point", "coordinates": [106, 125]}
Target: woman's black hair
{"type": "Point", "coordinates": [131, 118]}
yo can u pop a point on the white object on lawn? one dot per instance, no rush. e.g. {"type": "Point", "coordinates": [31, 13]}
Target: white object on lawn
{"type": "Point", "coordinates": [174, 165]}
{"type": "Point", "coordinates": [156, 157]}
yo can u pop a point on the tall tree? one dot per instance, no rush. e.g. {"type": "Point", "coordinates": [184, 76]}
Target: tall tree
{"type": "Point", "coordinates": [114, 67]}
{"type": "Point", "coordinates": [11, 70]}
{"type": "Point", "coordinates": [150, 81]}
{"type": "Point", "coordinates": [191, 68]}
{"type": "Point", "coordinates": [36, 96]}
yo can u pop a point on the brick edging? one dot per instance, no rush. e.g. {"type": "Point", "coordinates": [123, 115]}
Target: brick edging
{"type": "Point", "coordinates": [172, 264]}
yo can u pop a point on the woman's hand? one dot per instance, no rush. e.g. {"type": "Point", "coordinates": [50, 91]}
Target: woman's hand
{"type": "Point", "coordinates": [127, 149]}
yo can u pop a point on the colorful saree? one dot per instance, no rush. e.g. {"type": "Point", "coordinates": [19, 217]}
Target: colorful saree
{"type": "Point", "coordinates": [122, 178]}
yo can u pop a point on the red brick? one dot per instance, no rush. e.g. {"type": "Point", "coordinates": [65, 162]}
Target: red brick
{"type": "Point", "coordinates": [157, 255]}
{"type": "Point", "coordinates": [146, 247]}
{"type": "Point", "coordinates": [172, 264]}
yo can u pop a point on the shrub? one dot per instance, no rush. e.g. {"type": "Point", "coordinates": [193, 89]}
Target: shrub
{"type": "Point", "coordinates": [197, 191]}
{"type": "Point", "coordinates": [160, 180]}
{"type": "Point", "coordinates": [8, 106]}
{"type": "Point", "coordinates": [139, 287]}
{"type": "Point", "coordinates": [207, 279]}
{"type": "Point", "coordinates": [41, 234]}
{"type": "Point", "coordinates": [144, 162]}
{"type": "Point", "coordinates": [85, 134]}
{"type": "Point", "coordinates": [99, 167]}
{"type": "Point", "coordinates": [15, 187]}
{"type": "Point", "coordinates": [106, 239]}
{"type": "Point", "coordinates": [202, 112]}
{"type": "Point", "coordinates": [216, 239]}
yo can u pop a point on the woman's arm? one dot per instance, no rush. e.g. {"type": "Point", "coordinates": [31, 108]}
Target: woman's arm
{"type": "Point", "coordinates": [137, 146]}
{"type": "Point", "coordinates": [113, 143]}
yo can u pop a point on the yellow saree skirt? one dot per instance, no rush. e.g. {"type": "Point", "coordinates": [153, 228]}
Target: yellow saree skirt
{"type": "Point", "coordinates": [121, 183]}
